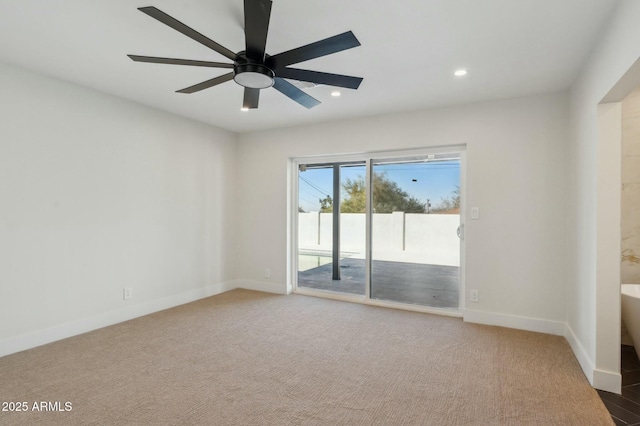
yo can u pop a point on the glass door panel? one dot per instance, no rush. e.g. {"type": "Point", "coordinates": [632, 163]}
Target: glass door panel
{"type": "Point", "coordinates": [415, 207]}
{"type": "Point", "coordinates": [331, 227]}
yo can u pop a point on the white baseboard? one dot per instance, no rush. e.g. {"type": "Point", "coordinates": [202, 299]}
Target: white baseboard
{"type": "Point", "coordinates": [609, 381]}
{"type": "Point", "coordinates": [585, 361]}
{"type": "Point", "coordinates": [267, 287]}
{"type": "Point", "coordinates": [42, 337]}
{"type": "Point", "coordinates": [512, 321]}
{"type": "Point", "coordinates": [599, 379]}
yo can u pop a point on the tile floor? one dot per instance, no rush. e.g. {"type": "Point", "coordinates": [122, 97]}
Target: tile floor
{"type": "Point", "coordinates": [625, 408]}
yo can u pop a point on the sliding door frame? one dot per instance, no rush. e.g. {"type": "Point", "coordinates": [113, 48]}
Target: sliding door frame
{"type": "Point", "coordinates": [292, 250]}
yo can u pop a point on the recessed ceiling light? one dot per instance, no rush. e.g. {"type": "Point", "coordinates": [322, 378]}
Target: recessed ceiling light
{"type": "Point", "coordinates": [460, 73]}
{"type": "Point", "coordinates": [244, 109]}
{"type": "Point", "coordinates": [335, 93]}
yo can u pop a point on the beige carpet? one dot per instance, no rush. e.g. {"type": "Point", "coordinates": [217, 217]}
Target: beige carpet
{"type": "Point", "coordinates": [249, 358]}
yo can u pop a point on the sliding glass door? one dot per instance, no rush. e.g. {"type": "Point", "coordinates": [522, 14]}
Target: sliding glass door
{"type": "Point", "coordinates": [381, 228]}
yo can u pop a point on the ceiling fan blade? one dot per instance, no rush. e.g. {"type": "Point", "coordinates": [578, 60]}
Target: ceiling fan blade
{"type": "Point", "coordinates": [189, 32]}
{"type": "Point", "coordinates": [320, 48]}
{"type": "Point", "coordinates": [256, 27]}
{"type": "Point", "coordinates": [320, 77]}
{"type": "Point", "coordinates": [291, 91]}
{"type": "Point", "coordinates": [207, 84]}
{"type": "Point", "coordinates": [156, 60]}
{"type": "Point", "coordinates": [251, 97]}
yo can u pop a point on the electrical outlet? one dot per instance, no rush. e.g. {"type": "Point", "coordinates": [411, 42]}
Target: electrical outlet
{"type": "Point", "coordinates": [127, 293]}
{"type": "Point", "coordinates": [474, 295]}
{"type": "Point", "coordinates": [267, 273]}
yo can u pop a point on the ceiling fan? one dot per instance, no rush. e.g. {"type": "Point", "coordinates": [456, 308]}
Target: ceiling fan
{"type": "Point", "coordinates": [252, 68]}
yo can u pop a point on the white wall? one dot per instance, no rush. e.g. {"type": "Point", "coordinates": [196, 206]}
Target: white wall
{"type": "Point", "coordinates": [516, 252]}
{"type": "Point", "coordinates": [98, 194]}
{"type": "Point", "coordinates": [396, 237]}
{"type": "Point", "coordinates": [593, 289]}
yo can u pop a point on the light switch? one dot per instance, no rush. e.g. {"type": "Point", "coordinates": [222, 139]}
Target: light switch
{"type": "Point", "coordinates": [475, 213]}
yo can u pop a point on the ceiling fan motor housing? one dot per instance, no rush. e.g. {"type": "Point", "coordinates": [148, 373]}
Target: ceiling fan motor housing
{"type": "Point", "coordinates": [252, 74]}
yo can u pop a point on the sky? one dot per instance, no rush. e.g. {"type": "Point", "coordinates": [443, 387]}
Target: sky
{"type": "Point", "coordinates": [430, 180]}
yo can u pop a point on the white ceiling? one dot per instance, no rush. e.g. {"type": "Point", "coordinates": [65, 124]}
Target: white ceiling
{"type": "Point", "coordinates": [409, 51]}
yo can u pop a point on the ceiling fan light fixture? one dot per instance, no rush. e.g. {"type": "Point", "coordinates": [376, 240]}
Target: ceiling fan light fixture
{"type": "Point", "coordinates": [253, 76]}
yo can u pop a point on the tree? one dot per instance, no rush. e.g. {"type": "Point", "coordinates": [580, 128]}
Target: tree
{"type": "Point", "coordinates": [450, 204]}
{"type": "Point", "coordinates": [326, 204]}
{"type": "Point", "coordinates": [387, 196]}
{"type": "Point", "coordinates": [354, 196]}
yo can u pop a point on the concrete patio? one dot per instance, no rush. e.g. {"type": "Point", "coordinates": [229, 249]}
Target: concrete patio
{"type": "Point", "coordinates": [414, 283]}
